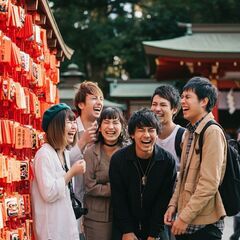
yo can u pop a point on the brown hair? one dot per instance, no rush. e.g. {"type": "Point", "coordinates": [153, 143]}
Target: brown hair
{"type": "Point", "coordinates": [56, 129]}
{"type": "Point", "coordinates": [84, 89]}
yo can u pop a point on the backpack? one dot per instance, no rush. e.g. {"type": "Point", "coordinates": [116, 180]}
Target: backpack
{"type": "Point", "coordinates": [178, 140]}
{"type": "Point", "coordinates": [229, 189]}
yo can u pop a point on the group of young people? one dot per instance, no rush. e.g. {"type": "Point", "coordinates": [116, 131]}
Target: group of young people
{"type": "Point", "coordinates": [139, 181]}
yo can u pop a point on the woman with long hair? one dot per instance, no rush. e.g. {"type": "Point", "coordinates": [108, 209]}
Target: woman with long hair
{"type": "Point", "coordinates": [111, 137]}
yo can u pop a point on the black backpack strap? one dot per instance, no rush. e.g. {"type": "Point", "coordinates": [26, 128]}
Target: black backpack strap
{"type": "Point", "coordinates": [178, 140]}
{"type": "Point", "coordinates": [200, 142]}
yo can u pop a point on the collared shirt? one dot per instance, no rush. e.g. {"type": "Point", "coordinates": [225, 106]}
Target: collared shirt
{"type": "Point", "coordinates": [193, 228]}
{"type": "Point", "coordinates": [75, 155]}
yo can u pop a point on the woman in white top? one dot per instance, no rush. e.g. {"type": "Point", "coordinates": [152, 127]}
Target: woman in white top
{"type": "Point", "coordinates": [53, 215]}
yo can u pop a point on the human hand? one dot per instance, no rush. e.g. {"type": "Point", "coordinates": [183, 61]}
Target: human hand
{"type": "Point", "coordinates": [79, 167]}
{"type": "Point", "coordinates": [129, 236]}
{"type": "Point", "coordinates": [169, 215]}
{"type": "Point", "coordinates": [81, 226]}
{"type": "Point", "coordinates": [87, 136]}
{"type": "Point", "coordinates": [179, 226]}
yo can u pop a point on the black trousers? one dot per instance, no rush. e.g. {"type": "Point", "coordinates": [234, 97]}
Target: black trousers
{"type": "Point", "coordinates": [210, 232]}
{"type": "Point", "coordinates": [116, 235]}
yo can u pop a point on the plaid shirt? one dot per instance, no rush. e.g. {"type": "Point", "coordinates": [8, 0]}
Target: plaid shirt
{"type": "Point", "coordinates": [193, 228]}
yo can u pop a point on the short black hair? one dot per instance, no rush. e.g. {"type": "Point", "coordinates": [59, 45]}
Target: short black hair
{"type": "Point", "coordinates": [238, 130]}
{"type": "Point", "coordinates": [169, 93]}
{"type": "Point", "coordinates": [143, 118]}
{"type": "Point", "coordinates": [203, 88]}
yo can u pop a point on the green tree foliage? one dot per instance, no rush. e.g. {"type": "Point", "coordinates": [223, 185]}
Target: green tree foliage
{"type": "Point", "coordinates": [98, 30]}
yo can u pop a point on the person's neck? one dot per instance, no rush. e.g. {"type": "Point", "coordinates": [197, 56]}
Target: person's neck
{"type": "Point", "coordinates": [110, 144]}
{"type": "Point", "coordinates": [198, 118]}
{"type": "Point", "coordinates": [144, 155]}
{"type": "Point", "coordinates": [167, 129]}
{"type": "Point", "coordinates": [86, 121]}
{"type": "Point", "coordinates": [60, 153]}
{"type": "Point", "coordinates": [109, 150]}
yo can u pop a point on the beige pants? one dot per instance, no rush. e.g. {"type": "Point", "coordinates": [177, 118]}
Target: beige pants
{"type": "Point", "coordinates": [97, 230]}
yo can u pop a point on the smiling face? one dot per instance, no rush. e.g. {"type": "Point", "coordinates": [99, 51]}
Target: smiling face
{"type": "Point", "coordinates": [70, 130]}
{"type": "Point", "coordinates": [92, 107]}
{"type": "Point", "coordinates": [110, 130]}
{"type": "Point", "coordinates": [193, 108]}
{"type": "Point", "coordinates": [162, 108]}
{"type": "Point", "coordinates": [145, 139]}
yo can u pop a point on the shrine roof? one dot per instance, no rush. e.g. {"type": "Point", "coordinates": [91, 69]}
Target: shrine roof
{"type": "Point", "coordinates": [197, 45]}
{"type": "Point", "coordinates": [51, 23]}
{"type": "Point", "coordinates": [135, 89]}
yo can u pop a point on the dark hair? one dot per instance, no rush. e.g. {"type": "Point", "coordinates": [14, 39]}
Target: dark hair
{"type": "Point", "coordinates": [169, 93]}
{"type": "Point", "coordinates": [85, 88]}
{"type": "Point", "coordinates": [55, 134]}
{"type": "Point", "coordinates": [143, 118]}
{"type": "Point", "coordinates": [238, 130]}
{"type": "Point", "coordinates": [203, 88]}
{"type": "Point", "coordinates": [113, 113]}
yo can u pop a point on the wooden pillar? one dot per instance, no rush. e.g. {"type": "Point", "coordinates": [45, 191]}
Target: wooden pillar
{"type": "Point", "coordinates": [215, 113]}
{"type": "Point", "coordinates": [215, 109]}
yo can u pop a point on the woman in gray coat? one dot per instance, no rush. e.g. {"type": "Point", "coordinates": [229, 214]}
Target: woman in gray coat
{"type": "Point", "coordinates": [111, 137]}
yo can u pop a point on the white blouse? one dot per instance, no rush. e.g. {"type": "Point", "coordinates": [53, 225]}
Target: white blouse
{"type": "Point", "coordinates": [53, 215]}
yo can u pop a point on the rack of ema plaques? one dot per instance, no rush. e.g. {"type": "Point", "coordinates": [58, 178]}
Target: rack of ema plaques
{"type": "Point", "coordinates": [29, 73]}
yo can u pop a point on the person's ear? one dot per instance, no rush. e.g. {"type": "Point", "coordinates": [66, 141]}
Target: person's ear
{"type": "Point", "coordinates": [204, 102]}
{"type": "Point", "coordinates": [81, 105]}
{"type": "Point", "coordinates": [174, 111]}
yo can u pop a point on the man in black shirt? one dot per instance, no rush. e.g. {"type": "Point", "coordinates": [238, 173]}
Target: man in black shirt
{"type": "Point", "coordinates": [142, 177]}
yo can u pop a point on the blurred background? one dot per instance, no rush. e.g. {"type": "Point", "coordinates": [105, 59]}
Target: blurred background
{"type": "Point", "coordinates": [130, 47]}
